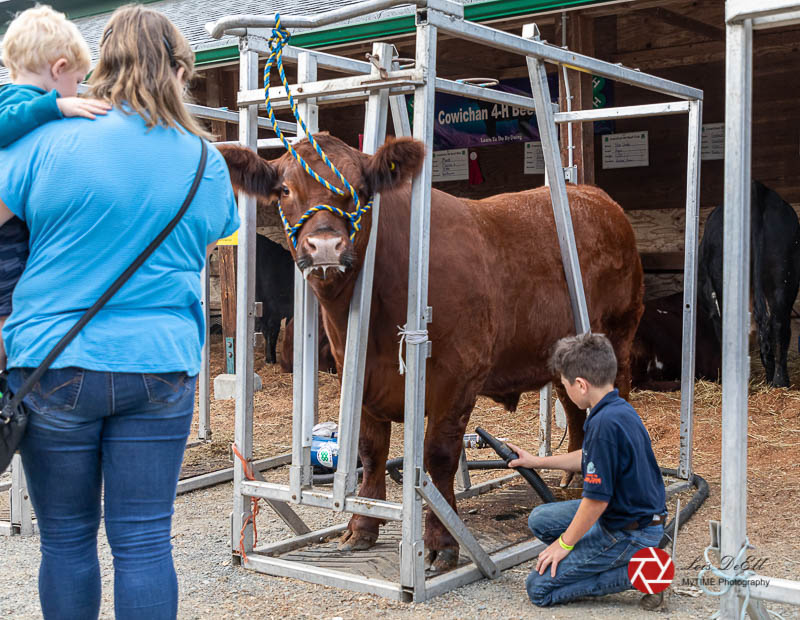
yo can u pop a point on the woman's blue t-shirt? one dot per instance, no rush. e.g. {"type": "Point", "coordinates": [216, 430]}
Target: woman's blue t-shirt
{"type": "Point", "coordinates": [94, 194]}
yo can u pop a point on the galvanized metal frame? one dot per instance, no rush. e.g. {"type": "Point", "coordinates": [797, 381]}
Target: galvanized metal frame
{"type": "Point", "coordinates": [379, 86]}
{"type": "Point", "coordinates": [742, 17]}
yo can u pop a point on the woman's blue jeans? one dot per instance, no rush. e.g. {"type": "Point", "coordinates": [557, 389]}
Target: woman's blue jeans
{"type": "Point", "coordinates": [599, 563]}
{"type": "Point", "coordinates": [125, 432]}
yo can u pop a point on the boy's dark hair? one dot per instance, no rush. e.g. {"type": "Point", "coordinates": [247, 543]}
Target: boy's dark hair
{"type": "Point", "coordinates": [589, 356]}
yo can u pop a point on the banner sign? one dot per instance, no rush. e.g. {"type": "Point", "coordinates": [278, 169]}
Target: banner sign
{"type": "Point", "coordinates": [460, 122]}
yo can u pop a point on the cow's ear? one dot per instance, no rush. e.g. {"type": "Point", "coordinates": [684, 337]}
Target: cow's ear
{"type": "Point", "coordinates": [394, 162]}
{"type": "Point", "coordinates": [249, 173]}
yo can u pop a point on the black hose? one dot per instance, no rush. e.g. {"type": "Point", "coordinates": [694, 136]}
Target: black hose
{"type": "Point", "coordinates": [687, 511]}
{"type": "Point", "coordinates": [394, 467]}
{"type": "Point", "coordinates": [328, 478]}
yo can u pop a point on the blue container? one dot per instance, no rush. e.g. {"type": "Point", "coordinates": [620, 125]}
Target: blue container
{"type": "Point", "coordinates": [325, 451]}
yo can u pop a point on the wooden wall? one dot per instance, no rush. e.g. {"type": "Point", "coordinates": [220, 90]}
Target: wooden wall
{"type": "Point", "coordinates": [682, 40]}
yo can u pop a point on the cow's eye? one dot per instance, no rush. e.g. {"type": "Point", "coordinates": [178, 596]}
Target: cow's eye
{"type": "Point", "coordinates": [284, 190]}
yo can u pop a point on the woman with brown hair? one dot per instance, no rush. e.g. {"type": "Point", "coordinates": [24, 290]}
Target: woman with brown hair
{"type": "Point", "coordinates": [115, 408]}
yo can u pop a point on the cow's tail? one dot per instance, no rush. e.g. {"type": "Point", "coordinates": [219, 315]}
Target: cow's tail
{"type": "Point", "coordinates": [249, 173]}
{"type": "Point", "coordinates": [757, 211]}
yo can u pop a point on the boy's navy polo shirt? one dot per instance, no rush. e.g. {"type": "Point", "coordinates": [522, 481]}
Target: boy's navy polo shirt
{"type": "Point", "coordinates": [619, 466]}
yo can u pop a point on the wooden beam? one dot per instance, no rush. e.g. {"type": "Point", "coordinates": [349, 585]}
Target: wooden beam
{"type": "Point", "coordinates": [685, 23]}
{"type": "Point", "coordinates": [580, 39]}
{"type": "Point", "coordinates": [655, 59]}
{"type": "Point", "coordinates": [213, 81]}
{"type": "Point", "coordinates": [227, 285]}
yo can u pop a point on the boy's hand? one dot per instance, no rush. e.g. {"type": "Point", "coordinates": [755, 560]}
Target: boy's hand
{"type": "Point", "coordinates": [525, 459]}
{"type": "Point", "coordinates": [87, 108]}
{"type": "Point", "coordinates": [551, 557]}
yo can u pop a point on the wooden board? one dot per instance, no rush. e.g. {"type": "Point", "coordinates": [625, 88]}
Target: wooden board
{"type": "Point", "coordinates": [663, 230]}
{"type": "Point", "coordinates": [227, 274]}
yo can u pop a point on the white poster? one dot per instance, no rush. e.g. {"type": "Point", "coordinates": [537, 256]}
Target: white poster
{"type": "Point", "coordinates": [626, 150]}
{"type": "Point", "coordinates": [452, 165]}
{"type": "Point", "coordinates": [712, 145]}
{"type": "Point", "coordinates": [534, 158]}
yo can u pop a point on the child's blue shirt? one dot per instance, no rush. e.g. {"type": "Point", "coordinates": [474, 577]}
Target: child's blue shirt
{"type": "Point", "coordinates": [23, 108]}
{"type": "Point", "coordinates": [93, 195]}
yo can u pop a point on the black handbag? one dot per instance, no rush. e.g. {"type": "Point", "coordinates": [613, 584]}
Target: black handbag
{"type": "Point", "coordinates": [14, 415]}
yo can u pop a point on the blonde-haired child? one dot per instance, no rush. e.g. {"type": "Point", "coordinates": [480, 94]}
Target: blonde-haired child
{"type": "Point", "coordinates": [46, 58]}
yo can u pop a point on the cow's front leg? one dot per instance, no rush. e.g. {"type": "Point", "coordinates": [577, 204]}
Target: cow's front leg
{"type": "Point", "coordinates": [373, 447]}
{"type": "Point", "coordinates": [575, 419]}
{"type": "Point", "coordinates": [443, 444]}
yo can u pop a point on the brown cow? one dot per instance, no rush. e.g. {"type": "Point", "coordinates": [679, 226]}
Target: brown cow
{"type": "Point", "coordinates": [496, 284]}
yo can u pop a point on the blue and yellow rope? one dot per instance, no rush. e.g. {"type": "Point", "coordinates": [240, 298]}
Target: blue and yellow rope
{"type": "Point", "coordinates": [280, 38]}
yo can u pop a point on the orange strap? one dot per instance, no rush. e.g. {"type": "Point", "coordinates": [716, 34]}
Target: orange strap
{"type": "Point", "coordinates": [251, 519]}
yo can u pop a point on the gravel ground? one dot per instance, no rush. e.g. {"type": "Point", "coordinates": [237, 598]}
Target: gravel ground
{"type": "Point", "coordinates": [211, 587]}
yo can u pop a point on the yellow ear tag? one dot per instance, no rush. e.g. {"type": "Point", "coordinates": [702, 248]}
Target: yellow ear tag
{"type": "Point", "coordinates": [391, 165]}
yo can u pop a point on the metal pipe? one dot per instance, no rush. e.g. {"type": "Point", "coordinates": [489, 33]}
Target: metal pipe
{"type": "Point", "coordinates": [245, 297]}
{"type": "Point", "coordinates": [215, 114]}
{"type": "Point", "coordinates": [568, 95]}
{"type": "Point", "coordinates": [632, 111]}
{"type": "Point", "coordinates": [498, 39]}
{"type": "Point", "coordinates": [412, 573]}
{"type": "Point", "coordinates": [777, 21]}
{"type": "Point", "coordinates": [335, 86]}
{"type": "Point", "coordinates": [741, 10]}
{"type": "Point", "coordinates": [355, 356]}
{"type": "Point", "coordinates": [735, 315]}
{"type": "Point", "coordinates": [558, 191]}
{"type": "Point", "coordinates": [237, 22]}
{"type": "Point", "coordinates": [309, 112]}
{"type": "Point", "coordinates": [691, 241]}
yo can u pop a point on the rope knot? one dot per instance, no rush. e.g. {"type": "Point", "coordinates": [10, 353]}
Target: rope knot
{"type": "Point", "coordinates": [410, 336]}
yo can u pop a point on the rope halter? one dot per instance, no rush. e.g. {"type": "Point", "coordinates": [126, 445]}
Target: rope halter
{"type": "Point", "coordinates": [279, 40]}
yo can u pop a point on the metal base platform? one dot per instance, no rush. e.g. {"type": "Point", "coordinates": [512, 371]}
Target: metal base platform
{"type": "Point", "coordinates": [500, 526]}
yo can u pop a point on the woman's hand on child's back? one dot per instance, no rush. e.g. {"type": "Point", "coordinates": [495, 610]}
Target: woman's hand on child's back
{"type": "Point", "coordinates": [525, 459]}
{"type": "Point", "coordinates": [87, 108]}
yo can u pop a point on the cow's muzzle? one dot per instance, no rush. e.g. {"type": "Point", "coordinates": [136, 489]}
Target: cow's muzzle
{"type": "Point", "coordinates": [323, 252]}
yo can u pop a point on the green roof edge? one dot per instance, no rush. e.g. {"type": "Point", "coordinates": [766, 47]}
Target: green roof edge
{"type": "Point", "coordinates": [482, 11]}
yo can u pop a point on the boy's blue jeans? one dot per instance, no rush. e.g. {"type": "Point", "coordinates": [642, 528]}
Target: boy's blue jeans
{"type": "Point", "coordinates": [597, 565]}
{"type": "Point", "coordinates": [126, 432]}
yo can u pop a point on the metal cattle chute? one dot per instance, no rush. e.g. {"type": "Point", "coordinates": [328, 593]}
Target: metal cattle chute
{"type": "Point", "coordinates": [730, 538]}
{"type": "Point", "coordinates": [383, 84]}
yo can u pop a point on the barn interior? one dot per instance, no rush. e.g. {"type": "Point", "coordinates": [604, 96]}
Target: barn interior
{"type": "Point", "coordinates": [681, 40]}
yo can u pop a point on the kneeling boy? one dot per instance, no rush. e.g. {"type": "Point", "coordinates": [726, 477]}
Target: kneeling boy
{"type": "Point", "coordinates": [623, 506]}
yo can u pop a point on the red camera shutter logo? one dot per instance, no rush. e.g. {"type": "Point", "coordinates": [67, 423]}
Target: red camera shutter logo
{"type": "Point", "coordinates": [651, 570]}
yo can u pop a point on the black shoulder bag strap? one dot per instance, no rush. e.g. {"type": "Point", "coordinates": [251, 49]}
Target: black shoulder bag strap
{"type": "Point", "coordinates": [117, 284]}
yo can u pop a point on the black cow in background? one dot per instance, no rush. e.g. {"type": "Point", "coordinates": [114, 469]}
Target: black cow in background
{"type": "Point", "coordinates": [326, 361]}
{"type": "Point", "coordinates": [657, 349]}
{"type": "Point", "coordinates": [275, 290]}
{"type": "Point", "coordinates": [775, 274]}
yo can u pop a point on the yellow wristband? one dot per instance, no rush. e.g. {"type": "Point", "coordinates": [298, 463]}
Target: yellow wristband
{"type": "Point", "coordinates": [564, 545]}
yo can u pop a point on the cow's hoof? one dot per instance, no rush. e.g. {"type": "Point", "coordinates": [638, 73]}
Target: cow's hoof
{"type": "Point", "coordinates": [566, 479]}
{"type": "Point", "coordinates": [357, 541]}
{"type": "Point", "coordinates": [440, 560]}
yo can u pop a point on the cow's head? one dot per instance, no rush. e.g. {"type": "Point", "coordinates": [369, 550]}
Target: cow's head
{"type": "Point", "coordinates": [322, 247]}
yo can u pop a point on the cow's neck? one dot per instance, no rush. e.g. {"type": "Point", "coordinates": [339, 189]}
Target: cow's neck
{"type": "Point", "coordinates": [335, 302]}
